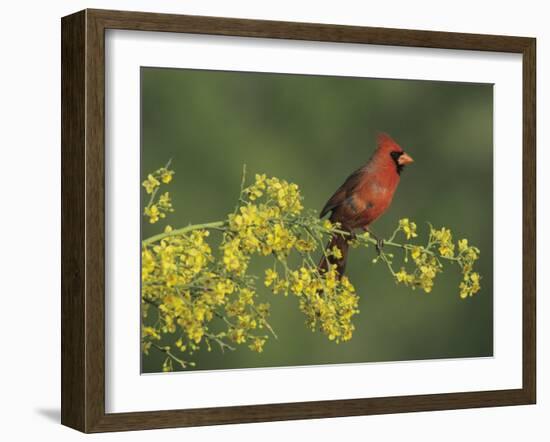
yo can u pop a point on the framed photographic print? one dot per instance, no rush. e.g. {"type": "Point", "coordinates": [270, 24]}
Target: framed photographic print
{"type": "Point", "coordinates": [268, 220]}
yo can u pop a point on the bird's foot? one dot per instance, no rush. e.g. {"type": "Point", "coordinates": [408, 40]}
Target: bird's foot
{"type": "Point", "coordinates": [379, 242]}
{"type": "Point", "coordinates": [379, 245]}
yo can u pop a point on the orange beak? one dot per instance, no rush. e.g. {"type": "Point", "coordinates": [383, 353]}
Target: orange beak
{"type": "Point", "coordinates": [404, 159]}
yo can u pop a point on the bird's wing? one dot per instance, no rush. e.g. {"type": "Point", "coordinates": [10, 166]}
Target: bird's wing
{"type": "Point", "coordinates": [344, 191]}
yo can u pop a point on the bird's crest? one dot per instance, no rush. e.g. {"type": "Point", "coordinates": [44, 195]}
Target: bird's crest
{"type": "Point", "coordinates": [385, 142]}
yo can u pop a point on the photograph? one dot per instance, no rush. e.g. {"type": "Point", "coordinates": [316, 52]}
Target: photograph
{"type": "Point", "coordinates": [298, 220]}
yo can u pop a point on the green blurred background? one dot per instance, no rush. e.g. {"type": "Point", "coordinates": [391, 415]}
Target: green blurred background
{"type": "Point", "coordinates": [314, 131]}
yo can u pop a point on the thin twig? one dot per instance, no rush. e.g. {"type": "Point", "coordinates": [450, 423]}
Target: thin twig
{"type": "Point", "coordinates": [218, 341]}
{"type": "Point", "coordinates": [171, 355]}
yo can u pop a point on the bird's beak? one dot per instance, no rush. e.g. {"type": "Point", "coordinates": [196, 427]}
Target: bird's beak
{"type": "Point", "coordinates": [404, 159]}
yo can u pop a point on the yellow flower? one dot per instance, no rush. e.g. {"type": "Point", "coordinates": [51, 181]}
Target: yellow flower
{"type": "Point", "coordinates": [336, 252]}
{"type": "Point", "coordinates": [255, 191]}
{"type": "Point", "coordinates": [280, 239]}
{"type": "Point", "coordinates": [402, 275]}
{"type": "Point", "coordinates": [147, 264]}
{"type": "Point", "coordinates": [145, 347]}
{"type": "Point", "coordinates": [443, 235]}
{"type": "Point", "coordinates": [195, 330]}
{"type": "Point", "coordinates": [470, 285]}
{"type": "Point", "coordinates": [238, 335]}
{"type": "Point", "coordinates": [447, 249]}
{"type": "Point", "coordinates": [270, 277]}
{"type": "Point", "coordinates": [223, 288]}
{"type": "Point", "coordinates": [408, 228]}
{"type": "Point", "coordinates": [166, 176]}
{"type": "Point", "coordinates": [416, 252]}
{"type": "Point", "coordinates": [233, 257]}
{"type": "Point", "coordinates": [150, 184]}
{"type": "Point", "coordinates": [302, 281]}
{"type": "Point", "coordinates": [153, 213]}
{"type": "Point", "coordinates": [327, 224]}
{"type": "Point", "coordinates": [180, 345]}
{"type": "Point", "coordinates": [260, 181]}
{"type": "Point", "coordinates": [165, 202]}
{"type": "Point", "coordinates": [304, 246]}
{"type": "Point", "coordinates": [281, 285]}
{"type": "Point", "coordinates": [150, 332]}
{"type": "Point", "coordinates": [445, 239]}
{"type": "Point", "coordinates": [257, 345]}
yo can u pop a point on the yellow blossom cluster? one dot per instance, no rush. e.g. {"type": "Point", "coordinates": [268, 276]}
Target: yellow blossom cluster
{"type": "Point", "coordinates": [188, 289]}
{"type": "Point", "coordinates": [427, 267]}
{"type": "Point", "coordinates": [260, 228]}
{"type": "Point", "coordinates": [443, 238]}
{"type": "Point", "coordinates": [157, 209]}
{"type": "Point", "coordinates": [470, 282]}
{"type": "Point", "coordinates": [428, 259]}
{"type": "Point", "coordinates": [286, 195]}
{"type": "Point", "coordinates": [153, 179]}
{"type": "Point", "coordinates": [328, 301]}
{"type": "Point", "coordinates": [270, 222]}
{"type": "Point", "coordinates": [408, 228]}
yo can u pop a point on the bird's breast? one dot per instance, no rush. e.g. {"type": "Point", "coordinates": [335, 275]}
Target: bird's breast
{"type": "Point", "coordinates": [376, 199]}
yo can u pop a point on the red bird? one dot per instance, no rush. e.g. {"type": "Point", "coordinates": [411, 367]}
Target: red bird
{"type": "Point", "coordinates": [365, 196]}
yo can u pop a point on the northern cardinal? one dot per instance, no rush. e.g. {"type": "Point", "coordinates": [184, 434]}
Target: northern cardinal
{"type": "Point", "coordinates": [365, 196]}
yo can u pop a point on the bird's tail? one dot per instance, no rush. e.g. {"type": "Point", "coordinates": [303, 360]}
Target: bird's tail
{"type": "Point", "coordinates": [340, 242]}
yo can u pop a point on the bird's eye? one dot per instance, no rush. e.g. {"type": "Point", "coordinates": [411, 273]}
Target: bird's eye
{"type": "Point", "coordinates": [395, 155]}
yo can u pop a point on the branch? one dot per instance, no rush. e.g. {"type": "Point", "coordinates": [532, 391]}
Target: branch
{"type": "Point", "coordinates": [217, 225]}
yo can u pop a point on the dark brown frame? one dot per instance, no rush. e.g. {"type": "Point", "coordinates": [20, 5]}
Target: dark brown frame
{"type": "Point", "coordinates": [83, 215]}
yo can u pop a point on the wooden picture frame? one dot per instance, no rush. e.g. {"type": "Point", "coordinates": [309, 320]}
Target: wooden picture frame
{"type": "Point", "coordinates": [83, 220]}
